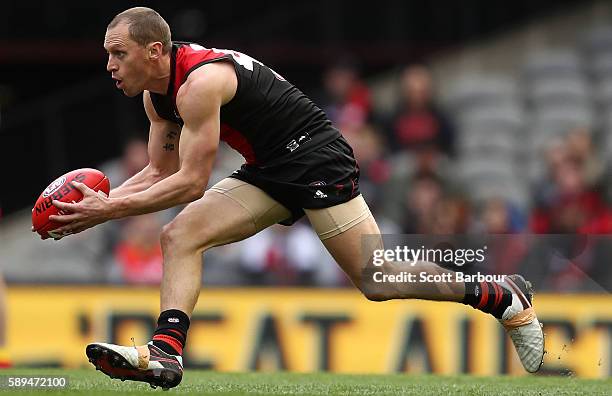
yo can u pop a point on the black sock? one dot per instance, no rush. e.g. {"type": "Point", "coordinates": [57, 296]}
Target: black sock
{"type": "Point", "coordinates": [488, 297]}
{"type": "Point", "coordinates": [171, 333]}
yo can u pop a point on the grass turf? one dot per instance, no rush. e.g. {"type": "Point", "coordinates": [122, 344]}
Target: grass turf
{"type": "Point", "coordinates": [90, 382]}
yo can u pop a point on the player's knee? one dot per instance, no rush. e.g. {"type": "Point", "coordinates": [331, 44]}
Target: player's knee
{"type": "Point", "coordinates": [177, 238]}
{"type": "Point", "coordinates": [371, 292]}
{"type": "Point", "coordinates": [169, 235]}
{"type": "Point", "coordinates": [375, 295]}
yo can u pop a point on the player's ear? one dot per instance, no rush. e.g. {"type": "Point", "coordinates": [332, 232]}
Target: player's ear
{"type": "Point", "coordinates": [154, 50]}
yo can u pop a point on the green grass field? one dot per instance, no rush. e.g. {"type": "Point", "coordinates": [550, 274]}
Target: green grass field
{"type": "Point", "coordinates": [90, 382]}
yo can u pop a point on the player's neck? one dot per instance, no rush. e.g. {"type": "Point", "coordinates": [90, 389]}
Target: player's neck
{"type": "Point", "coordinates": [160, 76]}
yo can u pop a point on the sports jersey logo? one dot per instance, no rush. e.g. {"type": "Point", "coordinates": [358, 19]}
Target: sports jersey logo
{"type": "Point", "coordinates": [320, 194]}
{"type": "Point", "coordinates": [304, 138]}
{"type": "Point", "coordinates": [292, 146]}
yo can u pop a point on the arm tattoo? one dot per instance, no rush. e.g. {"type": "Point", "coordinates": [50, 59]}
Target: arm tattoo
{"type": "Point", "coordinates": [171, 135]}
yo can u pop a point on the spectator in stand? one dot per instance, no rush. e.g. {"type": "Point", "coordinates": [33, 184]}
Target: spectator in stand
{"type": "Point", "coordinates": [138, 255]}
{"type": "Point", "coordinates": [402, 168]}
{"type": "Point", "coordinates": [569, 203]}
{"type": "Point", "coordinates": [431, 209]}
{"type": "Point", "coordinates": [505, 253]}
{"type": "Point", "coordinates": [346, 98]}
{"type": "Point", "coordinates": [375, 170]}
{"type": "Point", "coordinates": [133, 257]}
{"type": "Point", "coordinates": [417, 121]}
{"type": "Point", "coordinates": [133, 159]}
{"type": "Point", "coordinates": [425, 194]}
{"type": "Point", "coordinates": [498, 216]}
{"type": "Point", "coordinates": [282, 255]}
{"type": "Point", "coordinates": [450, 216]}
{"type": "Point", "coordinates": [580, 147]}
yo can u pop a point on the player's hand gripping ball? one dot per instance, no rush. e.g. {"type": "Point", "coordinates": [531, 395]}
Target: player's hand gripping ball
{"type": "Point", "coordinates": [62, 190]}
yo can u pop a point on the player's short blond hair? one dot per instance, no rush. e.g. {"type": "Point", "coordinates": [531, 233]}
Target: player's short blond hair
{"type": "Point", "coordinates": [145, 26]}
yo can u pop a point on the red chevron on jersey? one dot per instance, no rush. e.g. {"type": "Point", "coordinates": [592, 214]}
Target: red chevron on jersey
{"type": "Point", "coordinates": [189, 57]}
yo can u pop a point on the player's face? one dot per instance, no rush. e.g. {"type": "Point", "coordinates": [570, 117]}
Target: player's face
{"type": "Point", "coordinates": [127, 61]}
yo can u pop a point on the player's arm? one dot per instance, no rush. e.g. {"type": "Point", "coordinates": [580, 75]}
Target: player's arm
{"type": "Point", "coordinates": [163, 146]}
{"type": "Point", "coordinates": [199, 101]}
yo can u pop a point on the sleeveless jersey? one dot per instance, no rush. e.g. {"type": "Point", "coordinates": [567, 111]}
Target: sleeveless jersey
{"type": "Point", "coordinates": [269, 121]}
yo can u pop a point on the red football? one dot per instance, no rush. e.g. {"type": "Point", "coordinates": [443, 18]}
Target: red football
{"type": "Point", "coordinates": [62, 190]}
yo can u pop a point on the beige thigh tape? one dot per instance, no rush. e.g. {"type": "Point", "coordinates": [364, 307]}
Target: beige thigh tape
{"type": "Point", "coordinates": [264, 210]}
{"type": "Point", "coordinates": [332, 221]}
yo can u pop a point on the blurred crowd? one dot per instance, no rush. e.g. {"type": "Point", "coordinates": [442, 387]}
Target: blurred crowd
{"type": "Point", "coordinates": [408, 160]}
{"type": "Point", "coordinates": [424, 169]}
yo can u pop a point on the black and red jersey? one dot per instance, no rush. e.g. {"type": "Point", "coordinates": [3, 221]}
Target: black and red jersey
{"type": "Point", "coordinates": [269, 121]}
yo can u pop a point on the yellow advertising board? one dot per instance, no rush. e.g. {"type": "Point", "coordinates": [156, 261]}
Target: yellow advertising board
{"type": "Point", "coordinates": [308, 330]}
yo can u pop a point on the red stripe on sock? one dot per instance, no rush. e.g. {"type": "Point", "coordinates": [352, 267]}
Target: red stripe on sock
{"type": "Point", "coordinates": [484, 289]}
{"type": "Point", "coordinates": [177, 332]}
{"type": "Point", "coordinates": [498, 295]}
{"type": "Point", "coordinates": [173, 342]}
